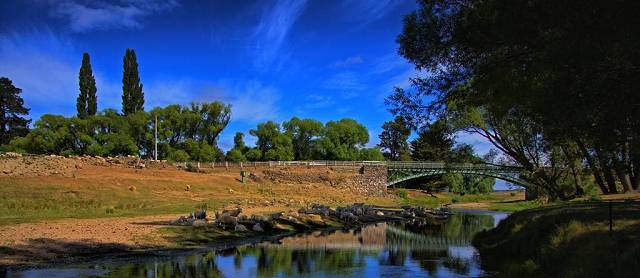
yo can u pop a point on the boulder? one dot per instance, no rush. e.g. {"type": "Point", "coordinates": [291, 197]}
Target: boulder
{"type": "Point", "coordinates": [257, 228]}
{"type": "Point", "coordinates": [240, 228]}
{"type": "Point", "coordinates": [200, 214]}
{"type": "Point", "coordinates": [232, 212]}
{"type": "Point", "coordinates": [228, 220]}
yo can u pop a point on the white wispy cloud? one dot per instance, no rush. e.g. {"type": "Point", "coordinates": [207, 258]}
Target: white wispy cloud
{"type": "Point", "coordinates": [250, 101]}
{"type": "Point", "coordinates": [272, 30]}
{"type": "Point", "coordinates": [45, 66]}
{"type": "Point", "coordinates": [350, 83]}
{"type": "Point", "coordinates": [36, 62]}
{"type": "Point", "coordinates": [349, 61]}
{"type": "Point", "coordinates": [370, 10]}
{"type": "Point", "coordinates": [84, 16]}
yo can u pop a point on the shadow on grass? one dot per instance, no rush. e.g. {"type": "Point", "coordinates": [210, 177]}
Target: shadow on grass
{"type": "Point", "coordinates": [43, 251]}
{"type": "Point", "coordinates": [566, 240]}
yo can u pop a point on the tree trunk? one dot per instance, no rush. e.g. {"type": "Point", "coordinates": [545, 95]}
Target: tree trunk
{"type": "Point", "coordinates": [594, 168]}
{"type": "Point", "coordinates": [606, 171]}
{"type": "Point", "coordinates": [622, 174]}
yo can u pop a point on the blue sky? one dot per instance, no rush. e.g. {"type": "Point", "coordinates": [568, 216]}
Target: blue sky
{"type": "Point", "coordinates": [270, 60]}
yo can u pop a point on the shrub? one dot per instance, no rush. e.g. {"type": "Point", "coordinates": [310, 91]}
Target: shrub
{"type": "Point", "coordinates": [402, 193]}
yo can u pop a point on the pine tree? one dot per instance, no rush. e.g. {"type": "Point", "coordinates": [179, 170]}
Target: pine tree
{"type": "Point", "coordinates": [87, 102]}
{"type": "Point", "coordinates": [11, 108]}
{"type": "Point", "coordinates": [132, 95]}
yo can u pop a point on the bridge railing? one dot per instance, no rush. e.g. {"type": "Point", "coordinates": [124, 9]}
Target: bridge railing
{"type": "Point", "coordinates": [333, 163]}
{"type": "Point", "coordinates": [255, 164]}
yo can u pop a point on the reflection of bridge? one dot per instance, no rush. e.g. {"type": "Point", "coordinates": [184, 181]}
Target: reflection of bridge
{"type": "Point", "coordinates": [403, 171]}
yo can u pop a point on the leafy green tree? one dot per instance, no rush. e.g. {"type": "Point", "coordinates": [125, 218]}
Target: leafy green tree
{"type": "Point", "coordinates": [534, 88]}
{"type": "Point", "coordinates": [132, 95]}
{"type": "Point", "coordinates": [342, 139]}
{"type": "Point", "coordinates": [371, 154]}
{"type": "Point", "coordinates": [266, 133]}
{"type": "Point", "coordinates": [235, 155]}
{"type": "Point", "coordinates": [12, 112]}
{"type": "Point", "coordinates": [393, 139]}
{"type": "Point", "coordinates": [434, 143]}
{"type": "Point", "coordinates": [303, 132]}
{"type": "Point", "coordinates": [455, 181]}
{"type": "Point", "coordinates": [238, 141]}
{"type": "Point", "coordinates": [253, 155]}
{"type": "Point", "coordinates": [282, 149]}
{"type": "Point", "coordinates": [87, 102]}
{"type": "Point", "coordinates": [272, 143]}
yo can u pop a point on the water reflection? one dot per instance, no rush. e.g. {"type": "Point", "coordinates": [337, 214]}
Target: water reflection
{"type": "Point", "coordinates": [397, 249]}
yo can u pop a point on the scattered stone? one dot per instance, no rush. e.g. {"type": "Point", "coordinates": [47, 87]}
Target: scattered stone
{"type": "Point", "coordinates": [200, 214]}
{"type": "Point", "coordinates": [187, 188]}
{"type": "Point", "coordinates": [257, 228]}
{"type": "Point", "coordinates": [132, 188]}
{"type": "Point", "coordinates": [10, 155]}
{"type": "Point", "coordinates": [232, 212]}
{"type": "Point", "coordinates": [228, 220]}
{"type": "Point", "coordinates": [240, 228]}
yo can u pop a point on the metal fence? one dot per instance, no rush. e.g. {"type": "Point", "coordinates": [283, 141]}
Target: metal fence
{"type": "Point", "coordinates": [333, 163]}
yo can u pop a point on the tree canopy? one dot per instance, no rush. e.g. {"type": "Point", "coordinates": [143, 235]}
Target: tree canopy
{"type": "Point", "coordinates": [132, 95]}
{"type": "Point", "coordinates": [87, 102]}
{"type": "Point", "coordinates": [12, 111]}
{"type": "Point", "coordinates": [546, 82]}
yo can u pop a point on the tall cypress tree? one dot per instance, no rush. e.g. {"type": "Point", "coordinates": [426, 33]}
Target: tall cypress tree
{"type": "Point", "coordinates": [132, 96]}
{"type": "Point", "coordinates": [87, 102]}
{"type": "Point", "coordinates": [12, 124]}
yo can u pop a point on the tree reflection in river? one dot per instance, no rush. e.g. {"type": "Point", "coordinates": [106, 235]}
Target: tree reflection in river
{"type": "Point", "coordinates": [439, 249]}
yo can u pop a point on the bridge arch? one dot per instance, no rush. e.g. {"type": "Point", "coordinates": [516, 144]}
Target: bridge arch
{"type": "Point", "coordinates": [403, 171]}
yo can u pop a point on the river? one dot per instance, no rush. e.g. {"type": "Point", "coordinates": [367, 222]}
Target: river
{"type": "Point", "coordinates": [440, 249]}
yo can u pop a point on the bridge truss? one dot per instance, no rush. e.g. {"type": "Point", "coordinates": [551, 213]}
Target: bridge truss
{"type": "Point", "coordinates": [403, 171]}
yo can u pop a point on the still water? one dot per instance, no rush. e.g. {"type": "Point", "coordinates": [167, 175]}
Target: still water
{"type": "Point", "coordinates": [438, 249]}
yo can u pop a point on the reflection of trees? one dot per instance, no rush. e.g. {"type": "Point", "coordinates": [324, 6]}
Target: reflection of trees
{"type": "Point", "coordinates": [394, 256]}
{"type": "Point", "coordinates": [336, 253]}
{"type": "Point", "coordinates": [189, 266]}
{"type": "Point", "coordinates": [274, 261]}
{"type": "Point", "coordinates": [457, 264]}
{"type": "Point", "coordinates": [429, 242]}
{"type": "Point", "coordinates": [460, 227]}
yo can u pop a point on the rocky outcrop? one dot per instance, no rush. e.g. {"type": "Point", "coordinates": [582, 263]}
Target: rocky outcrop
{"type": "Point", "coordinates": [370, 181]}
{"type": "Point", "coordinates": [14, 164]}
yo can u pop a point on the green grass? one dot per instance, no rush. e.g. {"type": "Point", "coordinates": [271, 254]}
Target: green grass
{"type": "Point", "coordinates": [21, 203]}
{"type": "Point", "coordinates": [515, 206]}
{"type": "Point", "coordinates": [565, 240]}
{"type": "Point", "coordinates": [499, 199]}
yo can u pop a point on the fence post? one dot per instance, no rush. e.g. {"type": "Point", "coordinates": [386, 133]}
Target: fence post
{"type": "Point", "coordinates": [610, 219]}
{"type": "Point", "coordinates": [241, 167]}
{"type": "Point", "coordinates": [198, 164]}
{"type": "Point", "coordinates": [226, 165]}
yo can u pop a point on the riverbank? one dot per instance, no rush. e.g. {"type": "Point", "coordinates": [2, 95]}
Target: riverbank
{"type": "Point", "coordinates": [228, 228]}
{"type": "Point", "coordinates": [565, 240]}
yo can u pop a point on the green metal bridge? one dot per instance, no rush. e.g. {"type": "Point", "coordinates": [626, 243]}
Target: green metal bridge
{"type": "Point", "coordinates": [403, 171]}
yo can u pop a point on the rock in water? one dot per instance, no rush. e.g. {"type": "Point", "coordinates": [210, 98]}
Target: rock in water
{"type": "Point", "coordinates": [240, 228]}
{"type": "Point", "coordinates": [379, 213]}
{"type": "Point", "coordinates": [257, 228]}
